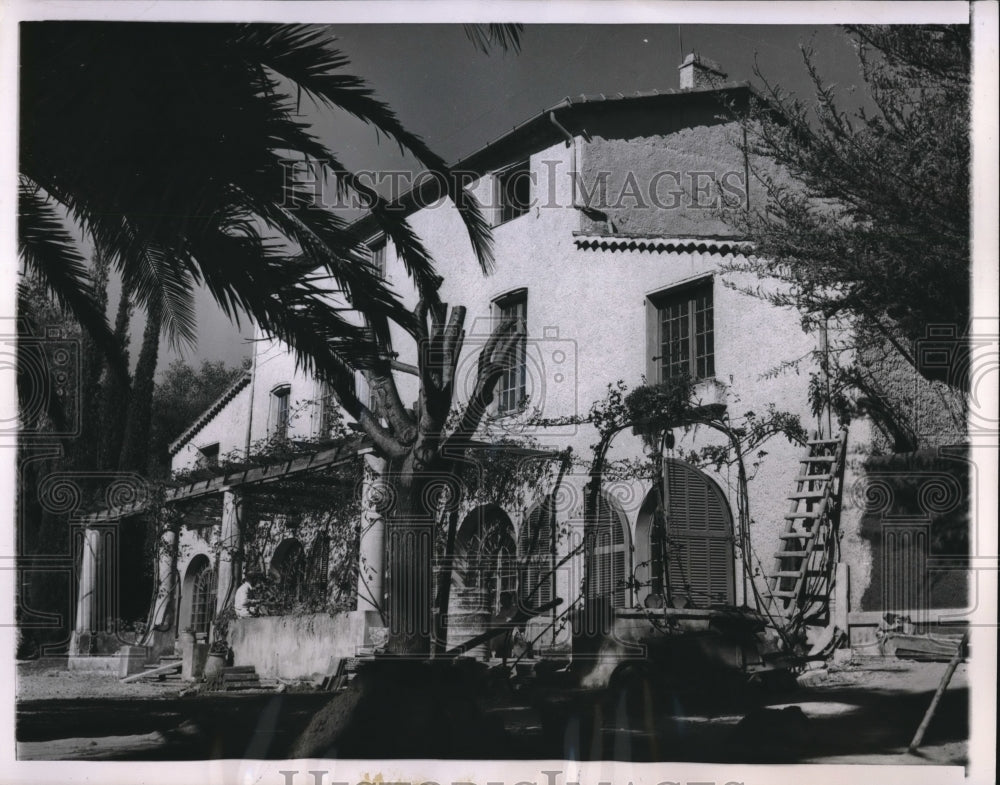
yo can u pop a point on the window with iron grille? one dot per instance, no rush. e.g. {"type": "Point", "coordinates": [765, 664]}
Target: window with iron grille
{"type": "Point", "coordinates": [512, 388]}
{"type": "Point", "coordinates": [608, 562]}
{"type": "Point", "coordinates": [280, 400]}
{"type": "Point", "coordinates": [203, 600]}
{"type": "Point", "coordinates": [513, 191]}
{"type": "Point", "coordinates": [684, 333]}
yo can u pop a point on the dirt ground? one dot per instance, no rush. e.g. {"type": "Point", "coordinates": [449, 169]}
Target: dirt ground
{"type": "Point", "coordinates": [865, 712]}
{"type": "Point", "coordinates": [51, 679]}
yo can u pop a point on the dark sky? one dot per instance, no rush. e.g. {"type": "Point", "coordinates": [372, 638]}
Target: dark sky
{"type": "Point", "coordinates": [459, 99]}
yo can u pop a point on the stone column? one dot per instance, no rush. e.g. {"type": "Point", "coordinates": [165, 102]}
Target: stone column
{"type": "Point", "coordinates": [165, 610]}
{"type": "Point", "coordinates": [87, 594]}
{"type": "Point", "coordinates": [375, 495]}
{"type": "Point", "coordinates": [231, 553]}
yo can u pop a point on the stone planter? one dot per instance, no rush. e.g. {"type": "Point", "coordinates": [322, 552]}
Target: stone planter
{"type": "Point", "coordinates": [214, 664]}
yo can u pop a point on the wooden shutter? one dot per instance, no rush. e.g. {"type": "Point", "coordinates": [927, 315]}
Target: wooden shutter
{"type": "Point", "coordinates": [536, 562]}
{"type": "Point", "coordinates": [700, 559]}
{"type": "Point", "coordinates": [608, 562]}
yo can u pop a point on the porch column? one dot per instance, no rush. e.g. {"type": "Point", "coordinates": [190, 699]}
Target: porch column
{"type": "Point", "coordinates": [230, 554]}
{"type": "Point", "coordinates": [164, 611]}
{"type": "Point", "coordinates": [371, 551]}
{"type": "Point", "coordinates": [87, 593]}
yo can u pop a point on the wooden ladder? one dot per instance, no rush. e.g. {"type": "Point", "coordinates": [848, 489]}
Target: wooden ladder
{"type": "Point", "coordinates": [805, 564]}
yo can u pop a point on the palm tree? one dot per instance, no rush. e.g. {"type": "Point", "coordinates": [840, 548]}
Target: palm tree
{"type": "Point", "coordinates": [168, 144]}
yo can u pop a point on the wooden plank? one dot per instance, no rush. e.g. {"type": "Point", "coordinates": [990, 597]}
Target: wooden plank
{"type": "Point", "coordinates": [796, 535]}
{"type": "Point", "coordinates": [173, 666]}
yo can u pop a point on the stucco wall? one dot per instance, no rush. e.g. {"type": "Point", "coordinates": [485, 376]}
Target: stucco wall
{"type": "Point", "coordinates": [586, 318]}
{"type": "Point", "coordinates": [296, 647]}
{"type": "Point", "coordinates": [228, 429]}
{"type": "Point", "coordinates": [587, 325]}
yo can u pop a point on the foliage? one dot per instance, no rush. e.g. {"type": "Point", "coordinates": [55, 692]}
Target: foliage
{"type": "Point", "coordinates": [873, 232]}
{"type": "Point", "coordinates": [105, 109]}
{"type": "Point", "coordinates": [658, 407]}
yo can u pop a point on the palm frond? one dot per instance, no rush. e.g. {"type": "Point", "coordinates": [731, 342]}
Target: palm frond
{"type": "Point", "coordinates": [51, 253]}
{"type": "Point", "coordinates": [305, 55]}
{"type": "Point", "coordinates": [487, 37]}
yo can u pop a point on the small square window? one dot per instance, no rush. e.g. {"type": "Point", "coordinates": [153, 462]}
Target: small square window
{"type": "Point", "coordinates": [513, 191]}
{"type": "Point", "coordinates": [209, 456]}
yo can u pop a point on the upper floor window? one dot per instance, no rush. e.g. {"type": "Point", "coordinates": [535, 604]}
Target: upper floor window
{"type": "Point", "coordinates": [513, 191]}
{"type": "Point", "coordinates": [209, 456]}
{"type": "Point", "coordinates": [377, 251]}
{"type": "Point", "coordinates": [681, 336]}
{"type": "Point", "coordinates": [512, 388]}
{"type": "Point", "coordinates": [280, 400]}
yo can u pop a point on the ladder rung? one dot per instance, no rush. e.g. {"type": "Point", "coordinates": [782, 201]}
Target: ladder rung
{"type": "Point", "coordinates": [787, 574]}
{"type": "Point", "coordinates": [813, 477]}
{"type": "Point", "coordinates": [791, 554]}
{"type": "Point", "coordinates": [807, 495]}
{"type": "Point", "coordinates": [804, 514]}
{"type": "Point", "coordinates": [785, 595]}
{"type": "Point", "coordinates": [819, 459]}
{"type": "Point", "coordinates": [796, 535]}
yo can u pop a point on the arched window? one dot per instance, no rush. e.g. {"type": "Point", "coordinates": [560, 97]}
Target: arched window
{"type": "Point", "coordinates": [535, 552]}
{"type": "Point", "coordinates": [484, 555]}
{"type": "Point", "coordinates": [609, 552]}
{"type": "Point", "coordinates": [203, 596]}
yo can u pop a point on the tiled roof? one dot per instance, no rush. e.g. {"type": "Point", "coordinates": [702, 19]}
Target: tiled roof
{"type": "Point", "coordinates": [713, 245]}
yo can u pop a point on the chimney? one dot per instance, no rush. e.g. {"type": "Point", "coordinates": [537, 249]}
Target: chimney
{"type": "Point", "coordinates": [699, 72]}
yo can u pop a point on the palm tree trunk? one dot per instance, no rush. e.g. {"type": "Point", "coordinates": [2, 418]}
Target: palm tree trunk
{"type": "Point", "coordinates": [116, 391]}
{"type": "Point", "coordinates": [135, 441]}
{"type": "Point", "coordinates": [86, 452]}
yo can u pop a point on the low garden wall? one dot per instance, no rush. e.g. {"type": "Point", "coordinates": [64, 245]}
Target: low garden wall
{"type": "Point", "coordinates": [296, 647]}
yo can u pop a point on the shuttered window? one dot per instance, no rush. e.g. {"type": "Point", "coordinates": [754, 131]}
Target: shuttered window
{"type": "Point", "coordinates": [535, 558]}
{"type": "Point", "coordinates": [700, 559]}
{"type": "Point", "coordinates": [319, 565]}
{"type": "Point", "coordinates": [608, 566]}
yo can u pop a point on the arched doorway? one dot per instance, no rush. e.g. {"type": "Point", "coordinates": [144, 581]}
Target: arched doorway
{"type": "Point", "coordinates": [609, 552]}
{"type": "Point", "coordinates": [199, 595]}
{"type": "Point", "coordinates": [700, 560]}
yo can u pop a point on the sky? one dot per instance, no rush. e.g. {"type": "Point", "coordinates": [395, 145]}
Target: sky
{"type": "Point", "coordinates": [458, 99]}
